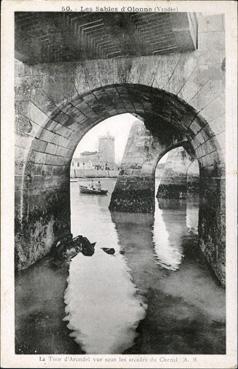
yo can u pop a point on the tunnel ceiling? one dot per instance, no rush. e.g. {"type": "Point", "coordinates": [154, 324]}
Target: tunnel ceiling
{"type": "Point", "coordinates": [43, 37]}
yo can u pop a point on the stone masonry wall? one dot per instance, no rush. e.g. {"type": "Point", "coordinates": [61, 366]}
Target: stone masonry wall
{"type": "Point", "coordinates": [56, 104]}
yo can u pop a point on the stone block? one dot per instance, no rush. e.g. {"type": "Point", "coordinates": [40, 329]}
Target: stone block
{"type": "Point", "coordinates": [214, 56]}
{"type": "Point", "coordinates": [36, 130]}
{"type": "Point", "coordinates": [218, 125]}
{"type": "Point", "coordinates": [65, 132]}
{"type": "Point", "coordinates": [206, 161]}
{"type": "Point", "coordinates": [129, 107]}
{"type": "Point", "coordinates": [221, 141]}
{"type": "Point", "coordinates": [71, 110]}
{"type": "Point", "coordinates": [178, 77]}
{"type": "Point", "coordinates": [195, 126]}
{"type": "Point", "coordinates": [208, 147]}
{"type": "Point", "coordinates": [62, 141]}
{"type": "Point", "coordinates": [54, 160]}
{"type": "Point", "coordinates": [61, 151]}
{"type": "Point", "coordinates": [214, 109]}
{"type": "Point", "coordinates": [187, 118]}
{"type": "Point", "coordinates": [81, 118]}
{"type": "Point", "coordinates": [49, 136]}
{"type": "Point", "coordinates": [53, 125]}
{"type": "Point", "coordinates": [189, 89]}
{"type": "Point", "coordinates": [61, 118]}
{"type": "Point", "coordinates": [210, 41]}
{"type": "Point", "coordinates": [214, 159]}
{"type": "Point", "coordinates": [51, 148]}
{"type": "Point", "coordinates": [195, 142]}
{"type": "Point", "coordinates": [200, 137]}
{"type": "Point", "coordinates": [38, 145]}
{"type": "Point", "coordinates": [207, 132]}
{"type": "Point", "coordinates": [166, 65]}
{"type": "Point", "coordinates": [86, 110]}
{"type": "Point", "coordinates": [36, 115]}
{"type": "Point", "coordinates": [198, 83]}
{"type": "Point", "coordinates": [211, 90]}
{"type": "Point", "coordinates": [38, 157]}
{"type": "Point", "coordinates": [200, 151]}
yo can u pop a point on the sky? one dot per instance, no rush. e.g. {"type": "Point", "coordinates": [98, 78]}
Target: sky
{"type": "Point", "coordinates": [117, 126]}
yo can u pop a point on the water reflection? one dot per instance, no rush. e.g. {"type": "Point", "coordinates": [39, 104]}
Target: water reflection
{"type": "Point", "coordinates": [192, 214]}
{"type": "Point", "coordinates": [102, 303]}
{"type": "Point", "coordinates": [161, 266]}
{"type": "Point", "coordinates": [106, 295]}
{"type": "Point", "coordinates": [168, 232]}
{"type": "Point", "coordinates": [103, 307]}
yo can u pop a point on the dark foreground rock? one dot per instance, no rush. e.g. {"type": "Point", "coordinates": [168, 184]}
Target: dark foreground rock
{"type": "Point", "coordinates": [68, 247]}
{"type": "Point", "coordinates": [108, 250]}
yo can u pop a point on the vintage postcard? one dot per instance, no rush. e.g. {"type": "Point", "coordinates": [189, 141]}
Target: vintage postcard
{"type": "Point", "coordinates": [119, 184]}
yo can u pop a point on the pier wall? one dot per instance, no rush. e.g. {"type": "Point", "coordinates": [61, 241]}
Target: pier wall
{"type": "Point", "coordinates": [135, 187]}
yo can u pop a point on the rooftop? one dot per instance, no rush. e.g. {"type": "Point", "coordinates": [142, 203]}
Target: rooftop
{"type": "Point", "coordinates": [87, 153]}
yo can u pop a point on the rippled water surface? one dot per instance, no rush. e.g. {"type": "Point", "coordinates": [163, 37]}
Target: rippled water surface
{"type": "Point", "coordinates": [156, 295]}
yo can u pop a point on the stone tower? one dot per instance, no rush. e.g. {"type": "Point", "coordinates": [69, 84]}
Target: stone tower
{"type": "Point", "coordinates": [106, 148]}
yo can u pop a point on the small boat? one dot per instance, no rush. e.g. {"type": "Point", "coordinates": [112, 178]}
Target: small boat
{"type": "Point", "coordinates": [92, 191]}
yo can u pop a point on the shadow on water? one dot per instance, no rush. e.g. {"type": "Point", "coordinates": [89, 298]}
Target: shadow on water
{"type": "Point", "coordinates": [186, 306]}
{"type": "Point", "coordinates": [156, 295]}
{"type": "Point", "coordinates": [39, 311]}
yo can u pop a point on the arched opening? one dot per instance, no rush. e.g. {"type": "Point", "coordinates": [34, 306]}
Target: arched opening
{"type": "Point", "coordinates": [176, 207]}
{"type": "Point", "coordinates": [167, 239]}
{"type": "Point", "coordinates": [43, 216]}
{"type": "Point", "coordinates": [97, 159]}
{"type": "Point", "coordinates": [63, 92]}
{"type": "Point", "coordinates": [43, 204]}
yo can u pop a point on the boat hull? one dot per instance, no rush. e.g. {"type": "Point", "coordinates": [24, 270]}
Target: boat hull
{"type": "Point", "coordinates": [88, 191]}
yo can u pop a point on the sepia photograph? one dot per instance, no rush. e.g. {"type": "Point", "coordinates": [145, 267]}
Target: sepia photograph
{"type": "Point", "coordinates": [120, 207]}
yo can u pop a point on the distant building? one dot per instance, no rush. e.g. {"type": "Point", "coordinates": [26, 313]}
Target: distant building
{"type": "Point", "coordinates": [106, 147]}
{"type": "Point", "coordinates": [96, 162]}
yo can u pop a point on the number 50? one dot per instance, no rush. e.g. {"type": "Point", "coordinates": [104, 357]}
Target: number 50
{"type": "Point", "coordinates": [66, 9]}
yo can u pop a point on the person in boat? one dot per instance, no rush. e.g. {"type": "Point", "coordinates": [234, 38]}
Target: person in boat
{"type": "Point", "coordinates": [92, 185]}
{"type": "Point", "coordinates": [99, 186]}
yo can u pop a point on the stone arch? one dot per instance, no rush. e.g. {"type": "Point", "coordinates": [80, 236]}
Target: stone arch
{"type": "Point", "coordinates": [176, 178]}
{"type": "Point", "coordinates": [42, 190]}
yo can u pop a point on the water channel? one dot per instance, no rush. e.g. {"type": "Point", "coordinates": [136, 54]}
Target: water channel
{"type": "Point", "coordinates": [156, 295]}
